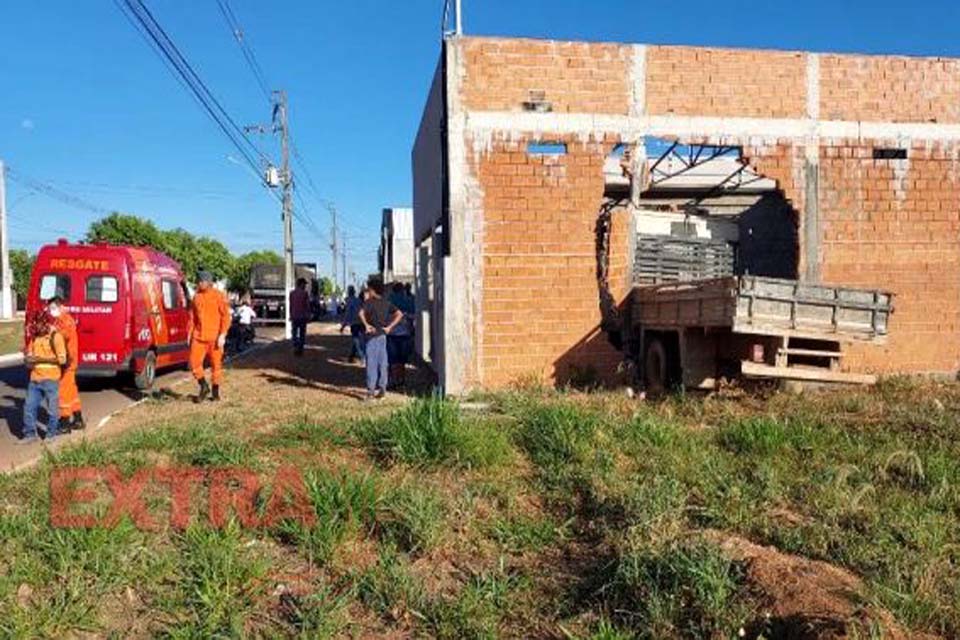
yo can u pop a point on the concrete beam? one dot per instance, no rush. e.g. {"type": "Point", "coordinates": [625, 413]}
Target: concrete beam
{"type": "Point", "coordinates": [485, 125]}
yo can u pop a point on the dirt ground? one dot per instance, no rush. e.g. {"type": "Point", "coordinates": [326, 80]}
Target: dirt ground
{"type": "Point", "coordinates": [274, 385]}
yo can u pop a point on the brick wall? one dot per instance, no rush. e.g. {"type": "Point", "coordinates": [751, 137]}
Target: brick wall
{"type": "Point", "coordinates": [896, 224]}
{"type": "Point", "coordinates": [892, 89]}
{"type": "Point", "coordinates": [575, 76]}
{"type": "Point", "coordinates": [693, 81]}
{"type": "Point", "coordinates": [540, 304]}
{"type": "Point", "coordinates": [889, 224]}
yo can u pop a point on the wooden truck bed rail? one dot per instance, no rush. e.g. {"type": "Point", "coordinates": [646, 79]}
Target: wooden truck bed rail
{"type": "Point", "coordinates": [768, 306]}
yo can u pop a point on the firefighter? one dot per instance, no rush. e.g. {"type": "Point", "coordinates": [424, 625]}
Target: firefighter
{"type": "Point", "coordinates": [209, 324]}
{"type": "Point", "coordinates": [71, 413]}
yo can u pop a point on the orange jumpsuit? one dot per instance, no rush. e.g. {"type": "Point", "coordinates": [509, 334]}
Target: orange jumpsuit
{"type": "Point", "coordinates": [69, 394]}
{"type": "Point", "coordinates": [209, 319]}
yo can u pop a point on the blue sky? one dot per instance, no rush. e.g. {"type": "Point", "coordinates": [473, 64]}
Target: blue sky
{"type": "Point", "coordinates": [89, 108]}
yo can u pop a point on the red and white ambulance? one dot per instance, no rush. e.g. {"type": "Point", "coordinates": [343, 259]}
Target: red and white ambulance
{"type": "Point", "coordinates": [130, 304]}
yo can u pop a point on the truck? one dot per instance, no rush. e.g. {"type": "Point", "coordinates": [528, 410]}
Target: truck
{"type": "Point", "coordinates": [693, 333]}
{"type": "Point", "coordinates": [715, 289]}
{"type": "Point", "coordinates": [131, 305]}
{"type": "Point", "coordinates": [267, 291]}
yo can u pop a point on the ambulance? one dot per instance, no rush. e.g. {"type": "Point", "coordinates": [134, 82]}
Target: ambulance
{"type": "Point", "coordinates": [131, 305]}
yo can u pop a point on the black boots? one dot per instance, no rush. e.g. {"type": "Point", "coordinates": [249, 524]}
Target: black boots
{"type": "Point", "coordinates": [78, 423]}
{"type": "Point", "coordinates": [204, 391]}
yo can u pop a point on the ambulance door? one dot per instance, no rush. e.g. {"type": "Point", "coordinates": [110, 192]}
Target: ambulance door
{"type": "Point", "coordinates": [102, 320]}
{"type": "Point", "coordinates": [177, 316]}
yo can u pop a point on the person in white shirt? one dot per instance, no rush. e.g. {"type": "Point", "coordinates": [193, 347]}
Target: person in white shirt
{"type": "Point", "coordinates": [245, 316]}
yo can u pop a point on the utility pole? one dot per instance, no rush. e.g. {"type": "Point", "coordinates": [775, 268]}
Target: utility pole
{"type": "Point", "coordinates": [280, 117]}
{"type": "Point", "coordinates": [343, 259]}
{"type": "Point", "coordinates": [283, 179]}
{"type": "Point", "coordinates": [334, 247]}
{"type": "Point", "coordinates": [7, 304]}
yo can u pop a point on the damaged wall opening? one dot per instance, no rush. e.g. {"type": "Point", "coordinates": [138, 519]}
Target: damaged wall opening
{"type": "Point", "coordinates": [703, 213]}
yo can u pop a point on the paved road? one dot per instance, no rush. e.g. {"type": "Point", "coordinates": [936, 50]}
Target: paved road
{"type": "Point", "coordinates": [100, 397]}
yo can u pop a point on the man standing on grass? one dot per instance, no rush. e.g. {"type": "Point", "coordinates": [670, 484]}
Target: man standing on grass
{"type": "Point", "coordinates": [300, 313]}
{"type": "Point", "coordinates": [210, 322]}
{"type": "Point", "coordinates": [379, 317]}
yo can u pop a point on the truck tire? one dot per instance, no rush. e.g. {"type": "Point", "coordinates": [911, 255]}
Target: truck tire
{"type": "Point", "coordinates": [144, 379]}
{"type": "Point", "coordinates": [659, 370]}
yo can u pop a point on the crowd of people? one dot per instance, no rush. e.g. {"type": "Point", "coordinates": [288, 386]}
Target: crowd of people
{"type": "Point", "coordinates": [381, 320]}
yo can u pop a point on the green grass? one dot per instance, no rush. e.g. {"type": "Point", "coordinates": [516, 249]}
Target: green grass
{"type": "Point", "coordinates": [11, 337]}
{"type": "Point", "coordinates": [430, 433]}
{"type": "Point", "coordinates": [555, 513]}
{"type": "Point", "coordinates": [681, 590]}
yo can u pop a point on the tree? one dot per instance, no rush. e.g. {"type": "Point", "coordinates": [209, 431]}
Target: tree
{"type": "Point", "coordinates": [21, 266]}
{"type": "Point", "coordinates": [121, 228]}
{"type": "Point", "coordinates": [326, 286]}
{"type": "Point", "coordinates": [240, 277]}
{"type": "Point", "coordinates": [214, 257]}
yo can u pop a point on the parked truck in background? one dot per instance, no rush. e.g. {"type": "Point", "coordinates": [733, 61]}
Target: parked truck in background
{"type": "Point", "coordinates": [267, 291]}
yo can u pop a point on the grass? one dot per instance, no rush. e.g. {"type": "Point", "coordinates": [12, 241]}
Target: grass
{"type": "Point", "coordinates": [11, 337]}
{"type": "Point", "coordinates": [429, 433]}
{"type": "Point", "coordinates": [550, 514]}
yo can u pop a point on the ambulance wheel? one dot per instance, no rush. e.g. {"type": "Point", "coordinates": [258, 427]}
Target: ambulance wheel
{"type": "Point", "coordinates": [144, 379]}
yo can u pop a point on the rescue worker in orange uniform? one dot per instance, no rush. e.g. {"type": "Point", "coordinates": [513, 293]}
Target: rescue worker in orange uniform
{"type": "Point", "coordinates": [209, 324]}
{"type": "Point", "coordinates": [71, 413]}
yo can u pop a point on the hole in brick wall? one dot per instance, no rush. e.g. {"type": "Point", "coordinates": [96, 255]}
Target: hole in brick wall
{"type": "Point", "coordinates": [889, 153]}
{"type": "Point", "coordinates": [547, 148]}
{"type": "Point", "coordinates": [537, 102]}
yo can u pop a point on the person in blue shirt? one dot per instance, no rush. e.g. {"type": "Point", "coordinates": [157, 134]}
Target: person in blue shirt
{"type": "Point", "coordinates": [400, 340]}
{"type": "Point", "coordinates": [351, 318]}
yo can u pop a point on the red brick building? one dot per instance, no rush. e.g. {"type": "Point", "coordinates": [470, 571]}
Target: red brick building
{"type": "Point", "coordinates": [864, 149]}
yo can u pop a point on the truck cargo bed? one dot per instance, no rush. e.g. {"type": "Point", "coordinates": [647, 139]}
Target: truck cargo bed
{"type": "Point", "coordinates": [767, 306]}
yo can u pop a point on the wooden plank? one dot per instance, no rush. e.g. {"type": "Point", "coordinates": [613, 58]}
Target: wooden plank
{"type": "Point", "coordinates": [812, 353]}
{"type": "Point", "coordinates": [755, 370]}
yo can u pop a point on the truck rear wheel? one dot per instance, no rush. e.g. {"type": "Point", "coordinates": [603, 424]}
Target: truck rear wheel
{"type": "Point", "coordinates": [144, 380]}
{"type": "Point", "coordinates": [659, 366]}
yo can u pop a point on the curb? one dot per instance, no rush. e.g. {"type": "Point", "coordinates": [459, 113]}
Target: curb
{"type": "Point", "coordinates": [11, 359]}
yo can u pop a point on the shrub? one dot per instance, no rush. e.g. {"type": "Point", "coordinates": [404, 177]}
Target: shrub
{"type": "Point", "coordinates": [430, 432]}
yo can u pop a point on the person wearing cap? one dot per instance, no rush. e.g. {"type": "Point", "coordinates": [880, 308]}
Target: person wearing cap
{"type": "Point", "coordinates": [209, 324]}
{"type": "Point", "coordinates": [71, 411]}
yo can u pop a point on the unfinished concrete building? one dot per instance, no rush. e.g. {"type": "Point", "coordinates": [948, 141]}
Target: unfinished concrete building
{"type": "Point", "coordinates": [840, 169]}
{"type": "Point", "coordinates": [395, 255]}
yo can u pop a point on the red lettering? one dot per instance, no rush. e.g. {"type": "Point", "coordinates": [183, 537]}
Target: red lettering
{"type": "Point", "coordinates": [181, 482]}
{"type": "Point", "coordinates": [236, 488]}
{"type": "Point", "coordinates": [128, 498]}
{"type": "Point", "coordinates": [64, 494]}
{"type": "Point", "coordinates": [289, 500]}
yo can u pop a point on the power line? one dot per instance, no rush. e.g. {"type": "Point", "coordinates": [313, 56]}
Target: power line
{"type": "Point", "coordinates": [303, 216]}
{"type": "Point", "coordinates": [53, 192]}
{"type": "Point", "coordinates": [245, 48]}
{"type": "Point", "coordinates": [177, 63]}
